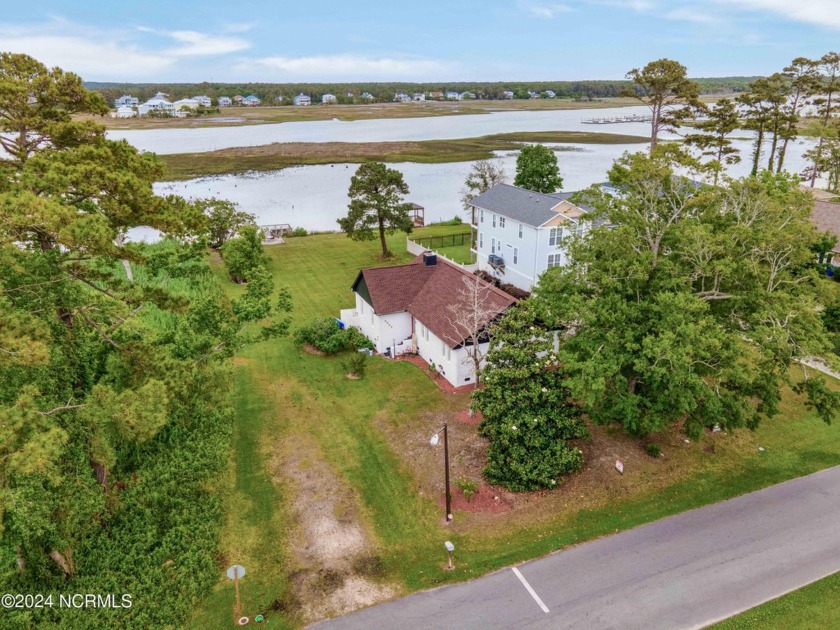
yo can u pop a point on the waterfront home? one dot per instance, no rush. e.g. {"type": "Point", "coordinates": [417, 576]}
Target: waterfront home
{"type": "Point", "coordinates": [518, 233]}
{"type": "Point", "coordinates": [466, 96]}
{"type": "Point", "coordinates": [549, 94]}
{"type": "Point", "coordinates": [452, 96]}
{"type": "Point", "coordinates": [185, 103]}
{"type": "Point", "coordinates": [367, 96]}
{"type": "Point", "coordinates": [436, 95]}
{"type": "Point", "coordinates": [278, 98]}
{"type": "Point", "coordinates": [411, 309]}
{"type": "Point", "coordinates": [224, 101]}
{"type": "Point", "coordinates": [418, 97]}
{"type": "Point", "coordinates": [328, 99]}
{"type": "Point", "coordinates": [302, 99]}
{"type": "Point", "coordinates": [508, 94]}
{"type": "Point", "coordinates": [251, 100]}
{"type": "Point", "coordinates": [238, 99]}
{"type": "Point", "coordinates": [125, 112]}
{"type": "Point", "coordinates": [402, 97]}
{"type": "Point", "coordinates": [126, 100]}
{"type": "Point", "coordinates": [159, 105]}
{"type": "Point", "coordinates": [204, 101]}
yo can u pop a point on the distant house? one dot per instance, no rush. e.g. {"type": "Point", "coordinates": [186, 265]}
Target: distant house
{"type": "Point", "coordinates": [466, 96]}
{"type": "Point", "coordinates": [533, 94]}
{"type": "Point", "coordinates": [203, 101]}
{"type": "Point", "coordinates": [126, 100]}
{"type": "Point", "coordinates": [520, 233]}
{"type": "Point", "coordinates": [159, 105]}
{"type": "Point", "coordinates": [508, 94]}
{"type": "Point", "coordinates": [160, 96]}
{"type": "Point", "coordinates": [125, 112]}
{"type": "Point", "coordinates": [251, 100]}
{"type": "Point", "coordinates": [238, 99]}
{"type": "Point", "coordinates": [367, 96]}
{"type": "Point", "coordinates": [418, 97]}
{"type": "Point", "coordinates": [452, 96]}
{"type": "Point", "coordinates": [224, 101]}
{"type": "Point", "coordinates": [549, 94]}
{"type": "Point", "coordinates": [436, 95]}
{"type": "Point", "coordinates": [185, 103]}
{"type": "Point", "coordinates": [350, 94]}
{"type": "Point", "coordinates": [278, 98]}
{"type": "Point", "coordinates": [328, 99]}
{"type": "Point", "coordinates": [402, 97]}
{"type": "Point", "coordinates": [302, 99]}
{"type": "Point", "coordinates": [408, 309]}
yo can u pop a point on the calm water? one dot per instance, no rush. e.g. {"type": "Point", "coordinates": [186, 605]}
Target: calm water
{"type": "Point", "coordinates": [165, 141]}
{"type": "Point", "coordinates": [315, 196]}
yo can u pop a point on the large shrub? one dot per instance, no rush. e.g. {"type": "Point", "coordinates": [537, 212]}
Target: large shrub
{"type": "Point", "coordinates": [244, 253]}
{"type": "Point", "coordinates": [325, 335]}
{"type": "Point", "coordinates": [528, 413]}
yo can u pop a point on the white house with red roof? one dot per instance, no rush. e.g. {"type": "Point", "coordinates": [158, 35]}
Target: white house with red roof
{"type": "Point", "coordinates": [414, 308]}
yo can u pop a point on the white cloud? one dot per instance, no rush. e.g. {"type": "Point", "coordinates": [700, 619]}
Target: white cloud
{"type": "Point", "coordinates": [343, 67]}
{"type": "Point", "coordinates": [547, 11]}
{"type": "Point", "coordinates": [687, 14]}
{"type": "Point", "coordinates": [89, 56]}
{"type": "Point", "coordinates": [634, 5]}
{"type": "Point", "coordinates": [196, 44]}
{"type": "Point", "coordinates": [819, 12]}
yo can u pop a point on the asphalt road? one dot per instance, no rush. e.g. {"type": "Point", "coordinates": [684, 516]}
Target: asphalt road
{"type": "Point", "coordinates": [686, 571]}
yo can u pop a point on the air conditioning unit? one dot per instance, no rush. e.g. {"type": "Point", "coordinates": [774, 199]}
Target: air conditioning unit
{"type": "Point", "coordinates": [495, 260]}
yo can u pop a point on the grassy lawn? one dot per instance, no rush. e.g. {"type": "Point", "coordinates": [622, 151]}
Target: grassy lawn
{"type": "Point", "coordinates": [297, 413]}
{"type": "Point", "coordinates": [277, 156]}
{"type": "Point", "coordinates": [447, 239]}
{"type": "Point", "coordinates": [812, 607]}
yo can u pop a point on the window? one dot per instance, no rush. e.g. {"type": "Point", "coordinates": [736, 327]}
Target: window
{"type": "Point", "coordinates": [555, 260]}
{"type": "Point", "coordinates": [555, 235]}
{"type": "Point", "coordinates": [442, 348]}
{"type": "Point", "coordinates": [480, 240]}
{"type": "Point", "coordinates": [448, 353]}
{"type": "Point", "coordinates": [492, 245]}
{"type": "Point", "coordinates": [520, 230]}
{"type": "Point", "coordinates": [501, 222]}
{"type": "Point", "coordinates": [481, 216]}
{"type": "Point", "coordinates": [515, 255]}
{"type": "Point", "coordinates": [494, 220]}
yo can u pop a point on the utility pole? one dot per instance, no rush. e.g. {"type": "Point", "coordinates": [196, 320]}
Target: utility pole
{"type": "Point", "coordinates": [446, 466]}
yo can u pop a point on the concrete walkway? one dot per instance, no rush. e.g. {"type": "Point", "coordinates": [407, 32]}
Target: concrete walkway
{"type": "Point", "coordinates": [686, 571]}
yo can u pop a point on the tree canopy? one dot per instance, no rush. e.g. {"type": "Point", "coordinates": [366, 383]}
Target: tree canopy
{"type": "Point", "coordinates": [376, 204]}
{"type": "Point", "coordinates": [97, 366]}
{"type": "Point", "coordinates": [537, 170]}
{"type": "Point", "coordinates": [663, 85]}
{"type": "Point", "coordinates": [689, 304]}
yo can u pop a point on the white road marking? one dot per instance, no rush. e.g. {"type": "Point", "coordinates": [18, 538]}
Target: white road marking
{"type": "Point", "coordinates": [529, 589]}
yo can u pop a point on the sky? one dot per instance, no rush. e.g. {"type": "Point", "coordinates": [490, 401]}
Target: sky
{"type": "Point", "coordinates": [281, 41]}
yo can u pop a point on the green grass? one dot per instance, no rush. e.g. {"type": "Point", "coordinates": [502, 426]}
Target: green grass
{"type": "Point", "coordinates": [282, 155]}
{"type": "Point", "coordinates": [434, 237]}
{"type": "Point", "coordinates": [284, 395]}
{"type": "Point", "coordinates": [810, 608]}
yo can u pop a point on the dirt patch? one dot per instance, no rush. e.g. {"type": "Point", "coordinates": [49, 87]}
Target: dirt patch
{"type": "Point", "coordinates": [353, 377]}
{"type": "Point", "coordinates": [334, 559]}
{"type": "Point", "coordinates": [465, 417]}
{"type": "Point", "coordinates": [310, 349]}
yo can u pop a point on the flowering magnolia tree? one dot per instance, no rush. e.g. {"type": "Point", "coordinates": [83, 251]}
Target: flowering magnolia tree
{"type": "Point", "coordinates": [528, 415]}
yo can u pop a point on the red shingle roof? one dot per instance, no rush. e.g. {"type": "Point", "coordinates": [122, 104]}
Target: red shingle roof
{"type": "Point", "coordinates": [427, 292]}
{"type": "Point", "coordinates": [826, 217]}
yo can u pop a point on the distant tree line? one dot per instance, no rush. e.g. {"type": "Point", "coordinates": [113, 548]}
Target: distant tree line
{"type": "Point", "coordinates": [268, 92]}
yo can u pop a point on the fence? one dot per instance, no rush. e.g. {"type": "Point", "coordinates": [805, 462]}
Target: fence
{"type": "Point", "coordinates": [446, 240]}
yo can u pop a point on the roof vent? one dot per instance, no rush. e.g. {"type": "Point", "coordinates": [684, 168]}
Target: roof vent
{"type": "Point", "coordinates": [430, 259]}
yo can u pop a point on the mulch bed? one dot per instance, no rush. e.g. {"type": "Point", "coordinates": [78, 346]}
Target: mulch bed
{"type": "Point", "coordinates": [440, 381]}
{"type": "Point", "coordinates": [486, 499]}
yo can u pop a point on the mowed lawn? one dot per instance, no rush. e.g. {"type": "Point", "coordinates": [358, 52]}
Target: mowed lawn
{"type": "Point", "coordinates": [284, 395]}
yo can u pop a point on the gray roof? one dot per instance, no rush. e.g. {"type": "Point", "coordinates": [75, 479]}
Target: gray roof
{"type": "Point", "coordinates": [525, 206]}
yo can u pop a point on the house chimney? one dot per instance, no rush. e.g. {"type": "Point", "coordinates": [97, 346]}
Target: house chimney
{"type": "Point", "coordinates": [430, 259]}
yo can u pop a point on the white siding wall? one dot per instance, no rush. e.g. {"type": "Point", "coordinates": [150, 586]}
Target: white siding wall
{"type": "Point", "coordinates": [524, 272]}
{"type": "Point", "coordinates": [382, 330]}
{"type": "Point", "coordinates": [454, 365]}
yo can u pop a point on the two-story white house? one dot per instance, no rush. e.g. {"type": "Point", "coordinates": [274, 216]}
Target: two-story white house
{"type": "Point", "coordinates": [225, 101]}
{"type": "Point", "coordinates": [413, 308]}
{"type": "Point", "coordinates": [204, 101]}
{"type": "Point", "coordinates": [519, 233]}
{"type": "Point", "coordinates": [126, 100]}
{"type": "Point", "coordinates": [302, 99]}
